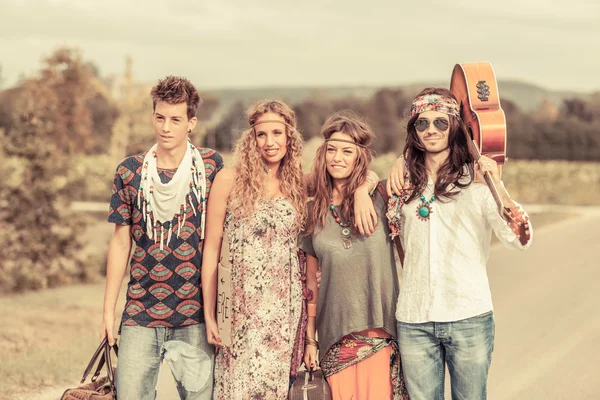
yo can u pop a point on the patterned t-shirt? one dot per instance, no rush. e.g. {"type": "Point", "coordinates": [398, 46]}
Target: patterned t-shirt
{"type": "Point", "coordinates": [164, 286]}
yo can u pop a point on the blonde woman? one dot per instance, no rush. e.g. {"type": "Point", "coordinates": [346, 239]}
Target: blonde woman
{"type": "Point", "coordinates": [260, 204]}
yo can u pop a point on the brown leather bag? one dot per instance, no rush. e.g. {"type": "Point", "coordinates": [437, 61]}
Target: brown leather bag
{"type": "Point", "coordinates": [98, 389]}
{"type": "Point", "coordinates": [310, 385]}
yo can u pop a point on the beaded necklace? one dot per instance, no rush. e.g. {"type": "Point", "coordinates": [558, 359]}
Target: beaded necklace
{"type": "Point", "coordinates": [346, 233]}
{"type": "Point", "coordinates": [424, 208]}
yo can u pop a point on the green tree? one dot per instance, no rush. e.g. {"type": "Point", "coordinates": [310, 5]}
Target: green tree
{"type": "Point", "coordinates": [578, 108]}
{"type": "Point", "coordinates": [69, 79]}
{"type": "Point", "coordinates": [385, 111]}
{"type": "Point", "coordinates": [40, 245]}
{"type": "Point", "coordinates": [310, 115]}
{"type": "Point", "coordinates": [210, 104]}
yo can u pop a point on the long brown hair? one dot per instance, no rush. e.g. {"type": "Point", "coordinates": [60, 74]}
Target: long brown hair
{"type": "Point", "coordinates": [250, 184]}
{"type": "Point", "coordinates": [452, 173]}
{"type": "Point", "coordinates": [347, 122]}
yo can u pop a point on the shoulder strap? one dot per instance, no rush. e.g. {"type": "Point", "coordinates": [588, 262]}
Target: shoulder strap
{"type": "Point", "coordinates": [385, 197]}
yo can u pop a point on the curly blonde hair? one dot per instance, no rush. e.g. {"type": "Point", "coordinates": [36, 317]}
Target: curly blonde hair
{"type": "Point", "coordinates": [250, 186]}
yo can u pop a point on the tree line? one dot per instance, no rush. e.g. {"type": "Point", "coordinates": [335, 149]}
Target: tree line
{"type": "Point", "coordinates": [568, 131]}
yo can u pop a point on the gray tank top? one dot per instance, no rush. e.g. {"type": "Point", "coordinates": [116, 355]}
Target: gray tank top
{"type": "Point", "coordinates": [359, 285]}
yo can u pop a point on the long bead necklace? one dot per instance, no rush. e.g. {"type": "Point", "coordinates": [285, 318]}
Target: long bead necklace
{"type": "Point", "coordinates": [346, 232]}
{"type": "Point", "coordinates": [424, 208]}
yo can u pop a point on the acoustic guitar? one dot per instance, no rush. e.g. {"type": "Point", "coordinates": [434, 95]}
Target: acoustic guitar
{"type": "Point", "coordinates": [474, 86]}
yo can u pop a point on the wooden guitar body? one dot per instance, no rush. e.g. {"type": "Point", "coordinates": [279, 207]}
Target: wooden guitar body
{"type": "Point", "coordinates": [474, 86]}
{"type": "Point", "coordinates": [476, 89]}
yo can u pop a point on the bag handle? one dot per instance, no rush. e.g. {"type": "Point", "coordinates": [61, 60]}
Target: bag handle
{"type": "Point", "coordinates": [397, 242]}
{"type": "Point", "coordinates": [97, 353]}
{"type": "Point", "coordinates": [103, 352]}
{"type": "Point", "coordinates": [103, 360]}
{"type": "Point", "coordinates": [110, 374]}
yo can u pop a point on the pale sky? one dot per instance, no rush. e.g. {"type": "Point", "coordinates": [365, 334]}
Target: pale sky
{"type": "Point", "coordinates": [255, 43]}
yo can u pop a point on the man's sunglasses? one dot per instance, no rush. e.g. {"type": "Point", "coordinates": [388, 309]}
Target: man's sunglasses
{"type": "Point", "coordinates": [440, 124]}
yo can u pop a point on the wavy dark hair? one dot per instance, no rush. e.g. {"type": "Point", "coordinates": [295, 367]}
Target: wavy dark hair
{"type": "Point", "coordinates": [450, 179]}
{"type": "Point", "coordinates": [358, 129]}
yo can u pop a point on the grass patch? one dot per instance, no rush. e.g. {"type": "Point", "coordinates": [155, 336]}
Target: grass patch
{"type": "Point", "coordinates": [50, 339]}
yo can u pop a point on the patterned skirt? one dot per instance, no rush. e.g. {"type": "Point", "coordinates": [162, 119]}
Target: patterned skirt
{"type": "Point", "coordinates": [354, 348]}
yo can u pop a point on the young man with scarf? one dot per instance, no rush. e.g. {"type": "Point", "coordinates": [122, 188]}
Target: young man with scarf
{"type": "Point", "coordinates": [445, 221]}
{"type": "Point", "coordinates": [159, 205]}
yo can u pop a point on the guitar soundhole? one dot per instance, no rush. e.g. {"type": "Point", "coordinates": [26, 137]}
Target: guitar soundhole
{"type": "Point", "coordinates": [483, 91]}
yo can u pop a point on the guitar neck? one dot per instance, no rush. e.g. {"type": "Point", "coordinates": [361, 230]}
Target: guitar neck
{"type": "Point", "coordinates": [488, 179]}
{"type": "Point", "coordinates": [490, 182]}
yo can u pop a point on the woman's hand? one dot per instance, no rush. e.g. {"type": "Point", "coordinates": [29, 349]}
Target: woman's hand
{"type": "Point", "coordinates": [310, 356]}
{"type": "Point", "coordinates": [365, 217]}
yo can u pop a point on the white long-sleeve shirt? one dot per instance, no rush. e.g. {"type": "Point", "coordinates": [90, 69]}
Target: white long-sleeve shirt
{"type": "Point", "coordinates": [444, 276]}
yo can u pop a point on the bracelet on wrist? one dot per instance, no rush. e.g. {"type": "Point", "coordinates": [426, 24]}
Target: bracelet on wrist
{"type": "Point", "coordinates": [311, 342]}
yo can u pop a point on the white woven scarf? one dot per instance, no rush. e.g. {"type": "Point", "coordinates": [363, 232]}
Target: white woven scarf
{"type": "Point", "coordinates": [163, 202]}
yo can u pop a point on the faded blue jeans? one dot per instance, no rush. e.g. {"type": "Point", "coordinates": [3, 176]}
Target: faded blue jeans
{"type": "Point", "coordinates": [141, 353]}
{"type": "Point", "coordinates": [465, 346]}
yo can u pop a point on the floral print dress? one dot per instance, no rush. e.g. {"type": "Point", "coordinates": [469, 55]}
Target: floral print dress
{"type": "Point", "coordinates": [266, 304]}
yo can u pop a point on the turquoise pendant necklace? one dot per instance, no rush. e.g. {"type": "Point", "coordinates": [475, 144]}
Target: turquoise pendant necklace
{"type": "Point", "coordinates": [346, 232]}
{"type": "Point", "coordinates": [424, 208]}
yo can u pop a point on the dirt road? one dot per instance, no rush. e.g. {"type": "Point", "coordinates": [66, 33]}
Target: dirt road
{"type": "Point", "coordinates": [547, 315]}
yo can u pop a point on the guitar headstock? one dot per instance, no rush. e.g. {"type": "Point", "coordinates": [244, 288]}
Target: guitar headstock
{"type": "Point", "coordinates": [518, 221]}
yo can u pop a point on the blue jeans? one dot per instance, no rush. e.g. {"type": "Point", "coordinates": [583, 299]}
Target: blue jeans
{"type": "Point", "coordinates": [141, 353]}
{"type": "Point", "coordinates": [465, 345]}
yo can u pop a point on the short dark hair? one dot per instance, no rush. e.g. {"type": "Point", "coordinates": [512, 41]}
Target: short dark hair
{"type": "Point", "coordinates": [176, 90]}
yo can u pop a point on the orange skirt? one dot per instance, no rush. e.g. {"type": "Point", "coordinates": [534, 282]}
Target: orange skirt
{"type": "Point", "coordinates": [369, 379]}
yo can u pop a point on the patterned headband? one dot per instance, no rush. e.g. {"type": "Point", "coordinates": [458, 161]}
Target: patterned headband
{"type": "Point", "coordinates": [272, 120]}
{"type": "Point", "coordinates": [435, 102]}
{"type": "Point", "coordinates": [346, 141]}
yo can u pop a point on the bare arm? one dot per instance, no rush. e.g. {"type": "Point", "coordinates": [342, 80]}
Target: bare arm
{"type": "Point", "coordinates": [518, 239]}
{"type": "Point", "coordinates": [371, 181]}
{"type": "Point", "coordinates": [310, 349]}
{"type": "Point", "coordinates": [365, 216]}
{"type": "Point", "coordinates": [119, 250]}
{"type": "Point", "coordinates": [215, 218]}
{"type": "Point", "coordinates": [395, 182]}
